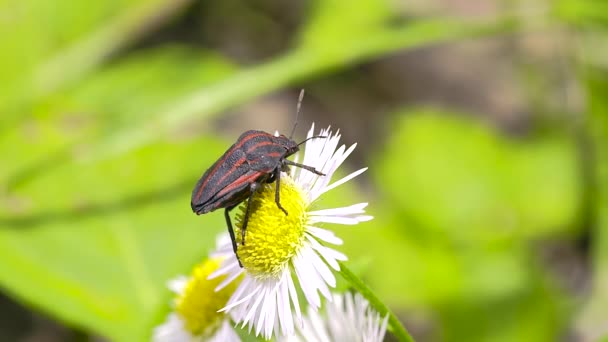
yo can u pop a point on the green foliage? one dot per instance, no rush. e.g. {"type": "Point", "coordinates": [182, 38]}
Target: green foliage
{"type": "Point", "coordinates": [101, 143]}
{"type": "Point", "coordinates": [460, 180]}
{"type": "Point", "coordinates": [462, 204]}
{"type": "Point", "coordinates": [467, 201]}
{"type": "Point", "coordinates": [106, 268]}
{"type": "Point", "coordinates": [593, 317]}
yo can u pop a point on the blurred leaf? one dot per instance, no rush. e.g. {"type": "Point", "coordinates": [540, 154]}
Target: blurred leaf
{"type": "Point", "coordinates": [357, 18]}
{"type": "Point", "coordinates": [582, 12]}
{"type": "Point", "coordinates": [124, 94]}
{"type": "Point", "coordinates": [593, 318]}
{"type": "Point", "coordinates": [459, 179]}
{"type": "Point", "coordinates": [53, 43]}
{"type": "Point", "coordinates": [299, 64]}
{"type": "Point", "coordinates": [450, 240]}
{"type": "Point", "coordinates": [532, 314]}
{"type": "Point", "coordinates": [92, 253]}
{"type": "Point", "coordinates": [443, 286]}
{"type": "Point", "coordinates": [415, 275]}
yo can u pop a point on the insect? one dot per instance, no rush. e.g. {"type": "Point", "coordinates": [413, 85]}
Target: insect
{"type": "Point", "coordinates": [254, 159]}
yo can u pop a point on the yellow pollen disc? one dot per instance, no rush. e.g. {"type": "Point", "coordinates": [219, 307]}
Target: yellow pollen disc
{"type": "Point", "coordinates": [198, 304]}
{"type": "Point", "coordinates": [272, 238]}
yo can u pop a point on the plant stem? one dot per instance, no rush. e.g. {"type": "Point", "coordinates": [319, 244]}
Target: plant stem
{"type": "Point", "coordinates": [395, 325]}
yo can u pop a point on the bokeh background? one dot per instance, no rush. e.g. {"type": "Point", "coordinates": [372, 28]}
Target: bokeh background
{"type": "Point", "coordinates": [484, 125]}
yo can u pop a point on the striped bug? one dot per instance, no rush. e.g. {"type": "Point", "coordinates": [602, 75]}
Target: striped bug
{"type": "Point", "coordinates": [254, 159]}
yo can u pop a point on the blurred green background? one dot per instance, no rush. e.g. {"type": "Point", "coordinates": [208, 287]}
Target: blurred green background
{"type": "Point", "coordinates": [484, 125]}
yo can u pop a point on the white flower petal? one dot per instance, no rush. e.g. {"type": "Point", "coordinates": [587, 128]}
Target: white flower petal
{"type": "Point", "coordinates": [253, 309]}
{"type": "Point", "coordinates": [225, 334]}
{"type": "Point", "coordinates": [333, 219]}
{"type": "Point", "coordinates": [346, 319]}
{"type": "Point", "coordinates": [307, 281]}
{"type": "Point", "coordinates": [342, 211]}
{"type": "Point", "coordinates": [324, 234]}
{"type": "Point", "coordinates": [229, 279]}
{"type": "Point", "coordinates": [322, 269]}
{"type": "Point", "coordinates": [284, 315]}
{"type": "Point", "coordinates": [172, 330]}
{"type": "Point", "coordinates": [245, 285]}
{"type": "Point", "coordinates": [294, 297]}
{"type": "Point", "coordinates": [226, 267]}
{"type": "Point", "coordinates": [178, 284]}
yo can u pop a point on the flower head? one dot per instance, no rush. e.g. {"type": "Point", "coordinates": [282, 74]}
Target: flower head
{"type": "Point", "coordinates": [279, 246]}
{"type": "Point", "coordinates": [347, 318]}
{"type": "Point", "coordinates": [195, 316]}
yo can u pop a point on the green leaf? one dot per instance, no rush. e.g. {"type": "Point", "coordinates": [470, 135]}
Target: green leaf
{"type": "Point", "coordinates": [124, 94]}
{"type": "Point", "coordinates": [457, 178]}
{"type": "Point", "coordinates": [50, 44]}
{"type": "Point", "coordinates": [357, 18]}
{"type": "Point", "coordinates": [413, 274]}
{"type": "Point", "coordinates": [440, 244]}
{"type": "Point", "coordinates": [585, 13]}
{"type": "Point", "coordinates": [99, 240]}
{"type": "Point", "coordinates": [295, 66]}
{"type": "Point", "coordinates": [592, 319]}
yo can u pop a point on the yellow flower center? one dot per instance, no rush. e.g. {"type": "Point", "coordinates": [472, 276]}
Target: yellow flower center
{"type": "Point", "coordinates": [198, 304]}
{"type": "Point", "coordinates": [272, 238]}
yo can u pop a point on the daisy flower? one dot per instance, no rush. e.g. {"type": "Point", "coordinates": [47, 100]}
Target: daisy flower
{"type": "Point", "coordinates": [196, 316]}
{"type": "Point", "coordinates": [348, 318]}
{"type": "Point", "coordinates": [281, 250]}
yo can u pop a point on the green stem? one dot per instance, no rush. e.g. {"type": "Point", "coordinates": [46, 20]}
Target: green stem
{"type": "Point", "coordinates": [395, 325]}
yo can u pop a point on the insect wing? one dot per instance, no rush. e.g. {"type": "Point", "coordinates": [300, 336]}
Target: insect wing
{"type": "Point", "coordinates": [222, 173]}
{"type": "Point", "coordinates": [238, 190]}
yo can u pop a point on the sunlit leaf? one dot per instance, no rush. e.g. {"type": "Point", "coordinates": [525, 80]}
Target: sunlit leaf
{"type": "Point", "coordinates": [50, 44]}
{"type": "Point", "coordinates": [98, 241]}
{"type": "Point", "coordinates": [460, 179]}
{"type": "Point", "coordinates": [123, 95]}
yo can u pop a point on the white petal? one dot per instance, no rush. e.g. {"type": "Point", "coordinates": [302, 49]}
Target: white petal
{"type": "Point", "coordinates": [253, 308]}
{"type": "Point", "coordinates": [330, 255]}
{"type": "Point", "coordinates": [244, 286]}
{"type": "Point", "coordinates": [324, 234]}
{"type": "Point", "coordinates": [284, 314]}
{"type": "Point", "coordinates": [314, 277]}
{"type": "Point", "coordinates": [225, 268]}
{"type": "Point", "coordinates": [294, 298]}
{"type": "Point", "coordinates": [322, 269]}
{"type": "Point", "coordinates": [225, 334]}
{"type": "Point", "coordinates": [228, 280]}
{"type": "Point", "coordinates": [333, 219]}
{"type": "Point", "coordinates": [172, 330]}
{"type": "Point", "coordinates": [306, 280]}
{"type": "Point", "coordinates": [342, 211]}
{"type": "Point", "coordinates": [178, 284]}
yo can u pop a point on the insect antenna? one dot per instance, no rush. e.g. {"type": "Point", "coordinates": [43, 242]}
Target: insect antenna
{"type": "Point", "coordinates": [315, 137]}
{"type": "Point", "coordinates": [299, 106]}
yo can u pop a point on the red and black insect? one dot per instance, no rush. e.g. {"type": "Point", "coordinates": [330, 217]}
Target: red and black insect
{"type": "Point", "coordinates": [255, 158]}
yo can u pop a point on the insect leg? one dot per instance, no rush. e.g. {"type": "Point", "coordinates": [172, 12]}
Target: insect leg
{"type": "Point", "coordinates": [231, 232]}
{"type": "Point", "coordinates": [277, 176]}
{"type": "Point", "coordinates": [305, 167]}
{"type": "Point", "coordinates": [253, 188]}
